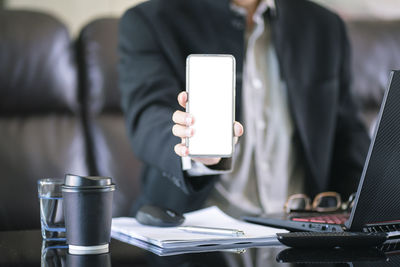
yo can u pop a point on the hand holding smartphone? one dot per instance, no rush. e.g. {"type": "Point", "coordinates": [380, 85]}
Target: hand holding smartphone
{"type": "Point", "coordinates": [210, 85]}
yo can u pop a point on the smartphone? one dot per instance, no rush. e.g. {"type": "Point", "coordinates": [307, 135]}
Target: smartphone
{"type": "Point", "coordinates": [210, 84]}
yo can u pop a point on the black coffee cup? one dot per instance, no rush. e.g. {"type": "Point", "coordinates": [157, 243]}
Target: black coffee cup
{"type": "Point", "coordinates": [88, 213]}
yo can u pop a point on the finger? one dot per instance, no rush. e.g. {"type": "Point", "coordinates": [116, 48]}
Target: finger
{"type": "Point", "coordinates": [235, 140]}
{"type": "Point", "coordinates": [182, 131]}
{"type": "Point", "coordinates": [207, 161]}
{"type": "Point", "coordinates": [238, 129]}
{"type": "Point", "coordinates": [182, 99]}
{"type": "Point", "coordinates": [182, 118]}
{"type": "Point", "coordinates": [181, 150]}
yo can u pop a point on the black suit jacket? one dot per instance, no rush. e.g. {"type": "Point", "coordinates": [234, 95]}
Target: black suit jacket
{"type": "Point", "coordinates": [313, 52]}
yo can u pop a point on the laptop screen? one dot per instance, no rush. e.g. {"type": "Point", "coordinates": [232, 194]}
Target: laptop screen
{"type": "Point", "coordinates": [378, 195]}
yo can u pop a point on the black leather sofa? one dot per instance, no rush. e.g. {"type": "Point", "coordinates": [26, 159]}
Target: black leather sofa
{"type": "Point", "coordinates": [60, 113]}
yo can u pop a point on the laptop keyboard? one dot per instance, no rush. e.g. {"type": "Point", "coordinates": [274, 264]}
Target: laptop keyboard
{"type": "Point", "coordinates": [328, 218]}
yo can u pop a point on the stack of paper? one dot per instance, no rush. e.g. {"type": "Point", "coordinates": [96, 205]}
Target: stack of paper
{"type": "Point", "coordinates": [173, 240]}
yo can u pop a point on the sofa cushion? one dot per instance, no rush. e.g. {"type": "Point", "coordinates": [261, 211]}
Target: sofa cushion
{"type": "Point", "coordinates": [37, 69]}
{"type": "Point", "coordinates": [41, 131]}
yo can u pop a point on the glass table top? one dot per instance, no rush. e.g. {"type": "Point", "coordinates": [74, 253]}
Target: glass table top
{"type": "Point", "coordinates": [26, 248]}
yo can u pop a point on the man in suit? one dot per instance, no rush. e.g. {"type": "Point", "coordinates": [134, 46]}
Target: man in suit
{"type": "Point", "coordinates": [302, 128]}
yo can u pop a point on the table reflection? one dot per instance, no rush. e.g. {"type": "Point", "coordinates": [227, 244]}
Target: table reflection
{"type": "Point", "coordinates": [55, 255]}
{"type": "Point", "coordinates": [331, 256]}
{"type": "Point", "coordinates": [385, 256]}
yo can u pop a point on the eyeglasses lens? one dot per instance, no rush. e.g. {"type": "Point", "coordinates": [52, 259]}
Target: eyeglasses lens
{"type": "Point", "coordinates": [298, 204]}
{"type": "Point", "coordinates": [327, 202]}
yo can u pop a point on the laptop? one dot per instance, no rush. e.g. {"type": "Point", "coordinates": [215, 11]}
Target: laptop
{"type": "Point", "coordinates": [377, 202]}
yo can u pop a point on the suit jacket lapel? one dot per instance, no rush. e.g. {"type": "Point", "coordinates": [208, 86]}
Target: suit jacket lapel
{"type": "Point", "coordinates": [315, 130]}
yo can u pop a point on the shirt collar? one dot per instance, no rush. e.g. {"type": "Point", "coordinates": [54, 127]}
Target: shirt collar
{"type": "Point", "coordinates": [263, 6]}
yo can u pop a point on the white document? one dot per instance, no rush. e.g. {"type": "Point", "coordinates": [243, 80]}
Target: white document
{"type": "Point", "coordinates": [129, 230]}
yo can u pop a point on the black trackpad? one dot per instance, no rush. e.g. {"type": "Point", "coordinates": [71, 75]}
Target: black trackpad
{"type": "Point", "coordinates": [157, 216]}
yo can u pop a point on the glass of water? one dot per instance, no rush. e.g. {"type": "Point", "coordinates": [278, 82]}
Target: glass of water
{"type": "Point", "coordinates": [53, 254]}
{"type": "Point", "coordinates": [51, 209]}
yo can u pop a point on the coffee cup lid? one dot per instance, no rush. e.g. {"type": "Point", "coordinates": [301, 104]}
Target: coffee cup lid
{"type": "Point", "coordinates": [77, 182]}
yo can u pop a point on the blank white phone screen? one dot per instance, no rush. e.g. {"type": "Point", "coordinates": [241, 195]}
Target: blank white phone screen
{"type": "Point", "coordinates": [211, 91]}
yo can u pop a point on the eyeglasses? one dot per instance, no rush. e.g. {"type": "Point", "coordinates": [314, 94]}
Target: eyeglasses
{"type": "Point", "coordinates": [323, 202]}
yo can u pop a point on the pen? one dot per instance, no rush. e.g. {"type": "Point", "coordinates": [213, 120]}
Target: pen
{"type": "Point", "coordinates": [211, 230]}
